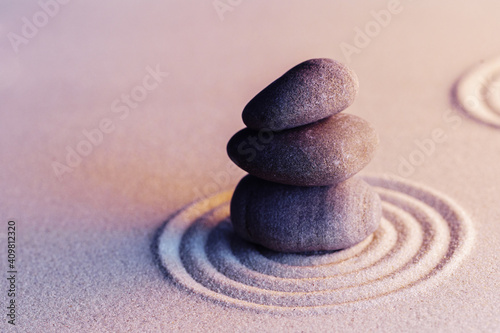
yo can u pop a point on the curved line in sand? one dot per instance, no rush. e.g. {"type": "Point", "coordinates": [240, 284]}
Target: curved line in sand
{"type": "Point", "coordinates": [423, 237]}
{"type": "Point", "coordinates": [269, 257]}
{"type": "Point", "coordinates": [357, 266]}
{"type": "Point", "coordinates": [379, 244]}
{"type": "Point", "coordinates": [478, 92]}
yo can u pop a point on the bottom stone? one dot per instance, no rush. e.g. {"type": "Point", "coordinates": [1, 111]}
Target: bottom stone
{"type": "Point", "coordinates": [290, 218]}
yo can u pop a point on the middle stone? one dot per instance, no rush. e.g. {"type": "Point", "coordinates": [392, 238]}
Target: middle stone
{"type": "Point", "coordinates": [326, 152]}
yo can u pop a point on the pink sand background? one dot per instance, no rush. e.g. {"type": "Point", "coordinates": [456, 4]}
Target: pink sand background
{"type": "Point", "coordinates": [84, 257]}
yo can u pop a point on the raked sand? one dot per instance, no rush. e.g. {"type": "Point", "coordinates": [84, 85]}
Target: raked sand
{"type": "Point", "coordinates": [422, 239]}
{"type": "Point", "coordinates": [114, 119]}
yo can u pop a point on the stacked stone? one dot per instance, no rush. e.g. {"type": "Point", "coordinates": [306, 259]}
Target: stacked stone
{"type": "Point", "coordinates": [301, 154]}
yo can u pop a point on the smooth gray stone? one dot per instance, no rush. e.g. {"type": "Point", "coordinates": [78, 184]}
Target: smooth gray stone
{"type": "Point", "coordinates": [323, 153]}
{"type": "Point", "coordinates": [310, 91]}
{"type": "Point", "coordinates": [298, 219]}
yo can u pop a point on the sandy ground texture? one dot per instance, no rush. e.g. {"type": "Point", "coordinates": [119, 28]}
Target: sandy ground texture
{"type": "Point", "coordinates": [115, 116]}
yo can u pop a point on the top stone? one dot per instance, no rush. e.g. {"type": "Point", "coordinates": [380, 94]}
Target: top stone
{"type": "Point", "coordinates": [310, 91]}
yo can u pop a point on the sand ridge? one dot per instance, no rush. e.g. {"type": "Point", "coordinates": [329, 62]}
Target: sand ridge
{"type": "Point", "coordinates": [478, 92]}
{"type": "Point", "coordinates": [423, 237]}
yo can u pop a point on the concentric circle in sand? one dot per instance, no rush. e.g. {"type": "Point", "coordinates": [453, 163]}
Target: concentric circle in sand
{"type": "Point", "coordinates": [478, 92]}
{"type": "Point", "coordinates": [422, 238]}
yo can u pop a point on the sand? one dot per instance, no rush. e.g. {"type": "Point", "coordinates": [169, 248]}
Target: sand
{"type": "Point", "coordinates": [478, 92]}
{"type": "Point", "coordinates": [87, 260]}
{"type": "Point", "coordinates": [423, 238]}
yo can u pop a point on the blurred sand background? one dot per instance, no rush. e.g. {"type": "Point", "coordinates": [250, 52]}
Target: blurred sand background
{"type": "Point", "coordinates": [84, 232]}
